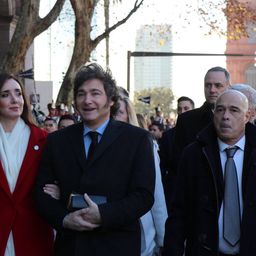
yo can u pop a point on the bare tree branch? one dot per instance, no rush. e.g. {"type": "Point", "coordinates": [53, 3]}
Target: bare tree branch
{"type": "Point", "coordinates": [84, 45]}
{"type": "Point", "coordinates": [137, 5]}
{"type": "Point", "coordinates": [45, 23]}
{"type": "Point", "coordinates": [27, 28]}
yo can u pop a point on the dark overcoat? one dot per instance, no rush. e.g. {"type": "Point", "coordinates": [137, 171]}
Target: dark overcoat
{"type": "Point", "coordinates": [121, 169]}
{"type": "Point", "coordinates": [199, 194]}
{"type": "Point", "coordinates": [188, 125]}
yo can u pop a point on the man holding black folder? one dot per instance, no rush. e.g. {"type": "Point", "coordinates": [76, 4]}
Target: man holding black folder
{"type": "Point", "coordinates": [105, 173]}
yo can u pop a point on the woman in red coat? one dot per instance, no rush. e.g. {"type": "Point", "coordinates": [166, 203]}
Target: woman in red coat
{"type": "Point", "coordinates": [22, 231]}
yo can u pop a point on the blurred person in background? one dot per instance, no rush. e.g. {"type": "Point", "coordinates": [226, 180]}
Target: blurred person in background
{"type": "Point", "coordinates": [142, 121]}
{"type": "Point", "coordinates": [66, 120]}
{"type": "Point", "coordinates": [250, 93]}
{"type": "Point", "coordinates": [50, 125]}
{"type": "Point", "coordinates": [216, 81]}
{"type": "Point", "coordinates": [62, 110]}
{"type": "Point", "coordinates": [153, 222]}
{"type": "Point", "coordinates": [52, 111]}
{"type": "Point", "coordinates": [184, 104]}
{"type": "Point", "coordinates": [123, 92]}
{"type": "Point", "coordinates": [158, 118]}
{"type": "Point", "coordinates": [166, 151]}
{"type": "Point", "coordinates": [157, 130]}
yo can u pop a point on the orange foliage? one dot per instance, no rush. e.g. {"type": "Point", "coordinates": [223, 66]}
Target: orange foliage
{"type": "Point", "coordinates": [239, 14]}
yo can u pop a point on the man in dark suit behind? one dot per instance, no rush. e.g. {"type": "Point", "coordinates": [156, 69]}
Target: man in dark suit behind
{"type": "Point", "coordinates": [120, 170]}
{"type": "Point", "coordinates": [200, 197]}
{"type": "Point", "coordinates": [216, 81]}
{"type": "Point", "coordinates": [166, 147]}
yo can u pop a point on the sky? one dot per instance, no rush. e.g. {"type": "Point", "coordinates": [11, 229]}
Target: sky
{"type": "Point", "coordinates": [188, 72]}
{"type": "Point", "coordinates": [188, 36]}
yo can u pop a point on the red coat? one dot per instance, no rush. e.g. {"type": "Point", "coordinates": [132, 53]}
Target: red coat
{"type": "Point", "coordinates": [31, 234]}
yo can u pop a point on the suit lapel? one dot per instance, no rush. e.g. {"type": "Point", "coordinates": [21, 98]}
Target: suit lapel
{"type": "Point", "coordinates": [208, 136]}
{"type": "Point", "coordinates": [3, 181]}
{"type": "Point", "coordinates": [76, 140]}
{"type": "Point", "coordinates": [215, 164]}
{"type": "Point", "coordinates": [249, 152]}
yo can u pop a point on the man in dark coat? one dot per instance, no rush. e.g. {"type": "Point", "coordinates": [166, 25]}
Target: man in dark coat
{"type": "Point", "coordinates": [166, 147]}
{"type": "Point", "coordinates": [216, 81]}
{"type": "Point", "coordinates": [120, 172]}
{"type": "Point", "coordinates": [197, 208]}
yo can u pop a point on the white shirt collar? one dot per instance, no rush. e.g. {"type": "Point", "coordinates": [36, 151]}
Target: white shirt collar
{"type": "Point", "coordinates": [240, 144]}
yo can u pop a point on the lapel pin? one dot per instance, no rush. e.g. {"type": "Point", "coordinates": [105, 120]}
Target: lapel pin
{"type": "Point", "coordinates": [36, 147]}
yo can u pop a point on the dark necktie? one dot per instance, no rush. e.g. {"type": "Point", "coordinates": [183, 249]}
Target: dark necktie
{"type": "Point", "coordinates": [231, 213]}
{"type": "Point", "coordinates": [94, 143]}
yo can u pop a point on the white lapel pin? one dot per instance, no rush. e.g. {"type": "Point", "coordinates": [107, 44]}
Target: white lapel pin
{"type": "Point", "coordinates": [36, 147]}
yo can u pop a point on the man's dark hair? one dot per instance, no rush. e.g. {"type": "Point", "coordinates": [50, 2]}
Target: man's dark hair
{"type": "Point", "coordinates": [160, 126]}
{"type": "Point", "coordinates": [50, 119]}
{"type": "Point", "coordinates": [95, 71]}
{"type": "Point", "coordinates": [67, 117]}
{"type": "Point", "coordinates": [185, 98]}
{"type": "Point", "coordinates": [219, 69]}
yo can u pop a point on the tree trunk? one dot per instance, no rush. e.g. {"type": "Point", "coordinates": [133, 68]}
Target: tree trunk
{"type": "Point", "coordinates": [84, 45]}
{"type": "Point", "coordinates": [82, 49]}
{"type": "Point", "coordinates": [29, 25]}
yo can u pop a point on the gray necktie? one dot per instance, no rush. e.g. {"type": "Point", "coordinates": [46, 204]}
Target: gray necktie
{"type": "Point", "coordinates": [231, 213]}
{"type": "Point", "coordinates": [94, 143]}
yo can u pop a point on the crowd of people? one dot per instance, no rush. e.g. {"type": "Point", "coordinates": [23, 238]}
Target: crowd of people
{"type": "Point", "coordinates": [106, 181]}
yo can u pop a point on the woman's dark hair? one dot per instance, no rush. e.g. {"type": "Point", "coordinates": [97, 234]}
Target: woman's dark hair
{"type": "Point", "coordinates": [26, 113]}
{"type": "Point", "coordinates": [95, 71]}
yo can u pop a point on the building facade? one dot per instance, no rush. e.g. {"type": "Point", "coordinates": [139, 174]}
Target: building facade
{"type": "Point", "coordinates": [153, 71]}
{"type": "Point", "coordinates": [243, 69]}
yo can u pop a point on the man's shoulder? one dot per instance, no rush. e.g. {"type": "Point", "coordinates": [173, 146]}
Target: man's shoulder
{"type": "Point", "coordinates": [169, 134]}
{"type": "Point", "coordinates": [71, 130]}
{"type": "Point", "coordinates": [195, 120]}
{"type": "Point", "coordinates": [128, 128]}
{"type": "Point", "coordinates": [194, 113]}
{"type": "Point", "coordinates": [250, 133]}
